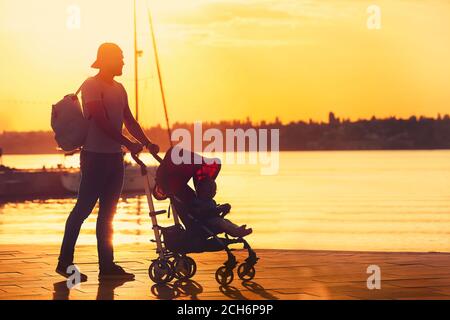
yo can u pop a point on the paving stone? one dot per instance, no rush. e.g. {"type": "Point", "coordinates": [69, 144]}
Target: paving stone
{"type": "Point", "coordinates": [28, 273]}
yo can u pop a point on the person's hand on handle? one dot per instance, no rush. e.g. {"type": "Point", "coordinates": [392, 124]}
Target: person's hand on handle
{"type": "Point", "coordinates": [134, 147]}
{"type": "Point", "coordinates": [152, 148]}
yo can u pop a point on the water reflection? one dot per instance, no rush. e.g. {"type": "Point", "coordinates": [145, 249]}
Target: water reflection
{"type": "Point", "coordinates": [318, 200]}
{"type": "Point", "coordinates": [42, 221]}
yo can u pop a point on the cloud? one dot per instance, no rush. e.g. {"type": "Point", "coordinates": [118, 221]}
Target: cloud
{"type": "Point", "coordinates": [250, 22]}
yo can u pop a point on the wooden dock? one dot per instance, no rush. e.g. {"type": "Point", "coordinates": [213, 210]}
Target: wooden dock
{"type": "Point", "coordinates": [27, 272]}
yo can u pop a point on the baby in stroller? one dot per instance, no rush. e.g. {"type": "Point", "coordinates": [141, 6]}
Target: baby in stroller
{"type": "Point", "coordinates": [206, 209]}
{"type": "Point", "coordinates": [198, 220]}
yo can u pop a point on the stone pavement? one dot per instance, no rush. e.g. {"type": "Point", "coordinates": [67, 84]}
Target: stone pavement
{"type": "Point", "coordinates": [27, 272]}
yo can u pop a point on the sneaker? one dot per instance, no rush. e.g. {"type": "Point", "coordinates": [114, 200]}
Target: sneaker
{"type": "Point", "coordinates": [61, 269]}
{"type": "Point", "coordinates": [114, 272]}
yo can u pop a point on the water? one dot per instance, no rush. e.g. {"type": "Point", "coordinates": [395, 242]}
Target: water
{"type": "Point", "coordinates": [375, 200]}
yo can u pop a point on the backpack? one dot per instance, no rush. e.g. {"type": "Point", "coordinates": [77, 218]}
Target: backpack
{"type": "Point", "coordinates": [68, 122]}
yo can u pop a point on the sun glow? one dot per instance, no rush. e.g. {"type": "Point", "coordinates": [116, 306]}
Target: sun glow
{"type": "Point", "coordinates": [231, 59]}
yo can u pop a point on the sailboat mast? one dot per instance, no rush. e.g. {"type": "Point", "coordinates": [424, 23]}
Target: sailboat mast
{"type": "Point", "coordinates": [136, 53]}
{"type": "Point", "coordinates": [159, 75]}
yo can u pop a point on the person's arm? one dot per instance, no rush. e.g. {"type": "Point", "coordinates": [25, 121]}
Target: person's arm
{"type": "Point", "coordinates": [97, 113]}
{"type": "Point", "coordinates": [136, 131]}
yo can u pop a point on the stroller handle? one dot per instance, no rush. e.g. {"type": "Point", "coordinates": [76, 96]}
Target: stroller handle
{"type": "Point", "coordinates": [157, 157]}
{"type": "Point", "coordinates": [138, 161]}
{"type": "Point", "coordinates": [141, 163]}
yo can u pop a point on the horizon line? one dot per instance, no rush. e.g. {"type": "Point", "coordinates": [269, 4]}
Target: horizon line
{"type": "Point", "coordinates": [277, 121]}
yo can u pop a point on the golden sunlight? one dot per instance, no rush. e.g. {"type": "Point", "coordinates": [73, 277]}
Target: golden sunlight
{"type": "Point", "coordinates": [297, 60]}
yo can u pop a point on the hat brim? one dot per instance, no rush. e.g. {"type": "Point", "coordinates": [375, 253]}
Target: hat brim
{"type": "Point", "coordinates": [96, 65]}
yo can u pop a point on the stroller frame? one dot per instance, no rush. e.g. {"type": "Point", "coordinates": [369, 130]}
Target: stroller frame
{"type": "Point", "coordinates": [170, 264]}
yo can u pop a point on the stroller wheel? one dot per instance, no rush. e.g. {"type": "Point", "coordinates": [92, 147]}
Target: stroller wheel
{"type": "Point", "coordinates": [224, 276]}
{"type": "Point", "coordinates": [184, 267]}
{"type": "Point", "coordinates": [161, 271]}
{"type": "Point", "coordinates": [246, 271]}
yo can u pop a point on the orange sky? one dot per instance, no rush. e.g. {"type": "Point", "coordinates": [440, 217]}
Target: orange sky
{"type": "Point", "coordinates": [230, 59]}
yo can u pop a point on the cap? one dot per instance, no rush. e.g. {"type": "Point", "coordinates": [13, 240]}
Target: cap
{"type": "Point", "coordinates": [106, 51]}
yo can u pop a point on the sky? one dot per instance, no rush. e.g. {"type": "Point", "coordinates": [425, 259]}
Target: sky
{"type": "Point", "coordinates": [232, 59]}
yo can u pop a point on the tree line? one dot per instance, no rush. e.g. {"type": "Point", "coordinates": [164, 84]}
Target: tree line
{"type": "Point", "coordinates": [336, 134]}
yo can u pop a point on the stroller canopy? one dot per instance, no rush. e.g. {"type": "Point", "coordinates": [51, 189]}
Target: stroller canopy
{"type": "Point", "coordinates": [178, 167]}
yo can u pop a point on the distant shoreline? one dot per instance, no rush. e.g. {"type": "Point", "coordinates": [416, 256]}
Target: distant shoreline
{"type": "Point", "coordinates": [336, 135]}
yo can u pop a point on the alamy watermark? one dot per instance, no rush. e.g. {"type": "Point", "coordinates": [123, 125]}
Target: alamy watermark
{"type": "Point", "coordinates": [74, 280]}
{"type": "Point", "coordinates": [249, 146]}
{"type": "Point", "coordinates": [374, 19]}
{"type": "Point", "coordinates": [73, 21]}
{"type": "Point", "coordinates": [374, 280]}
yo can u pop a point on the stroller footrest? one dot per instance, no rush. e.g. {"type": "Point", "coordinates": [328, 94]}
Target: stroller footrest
{"type": "Point", "coordinates": [155, 213]}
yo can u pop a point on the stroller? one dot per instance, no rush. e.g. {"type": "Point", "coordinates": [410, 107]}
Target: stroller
{"type": "Point", "coordinates": [188, 234]}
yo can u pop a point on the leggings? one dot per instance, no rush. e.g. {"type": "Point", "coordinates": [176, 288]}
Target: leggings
{"type": "Point", "coordinates": [101, 179]}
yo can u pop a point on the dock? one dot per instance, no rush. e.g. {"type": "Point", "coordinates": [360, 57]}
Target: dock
{"type": "Point", "coordinates": [27, 272]}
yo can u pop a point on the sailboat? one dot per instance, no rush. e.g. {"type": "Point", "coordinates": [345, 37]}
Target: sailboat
{"type": "Point", "coordinates": [62, 181]}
